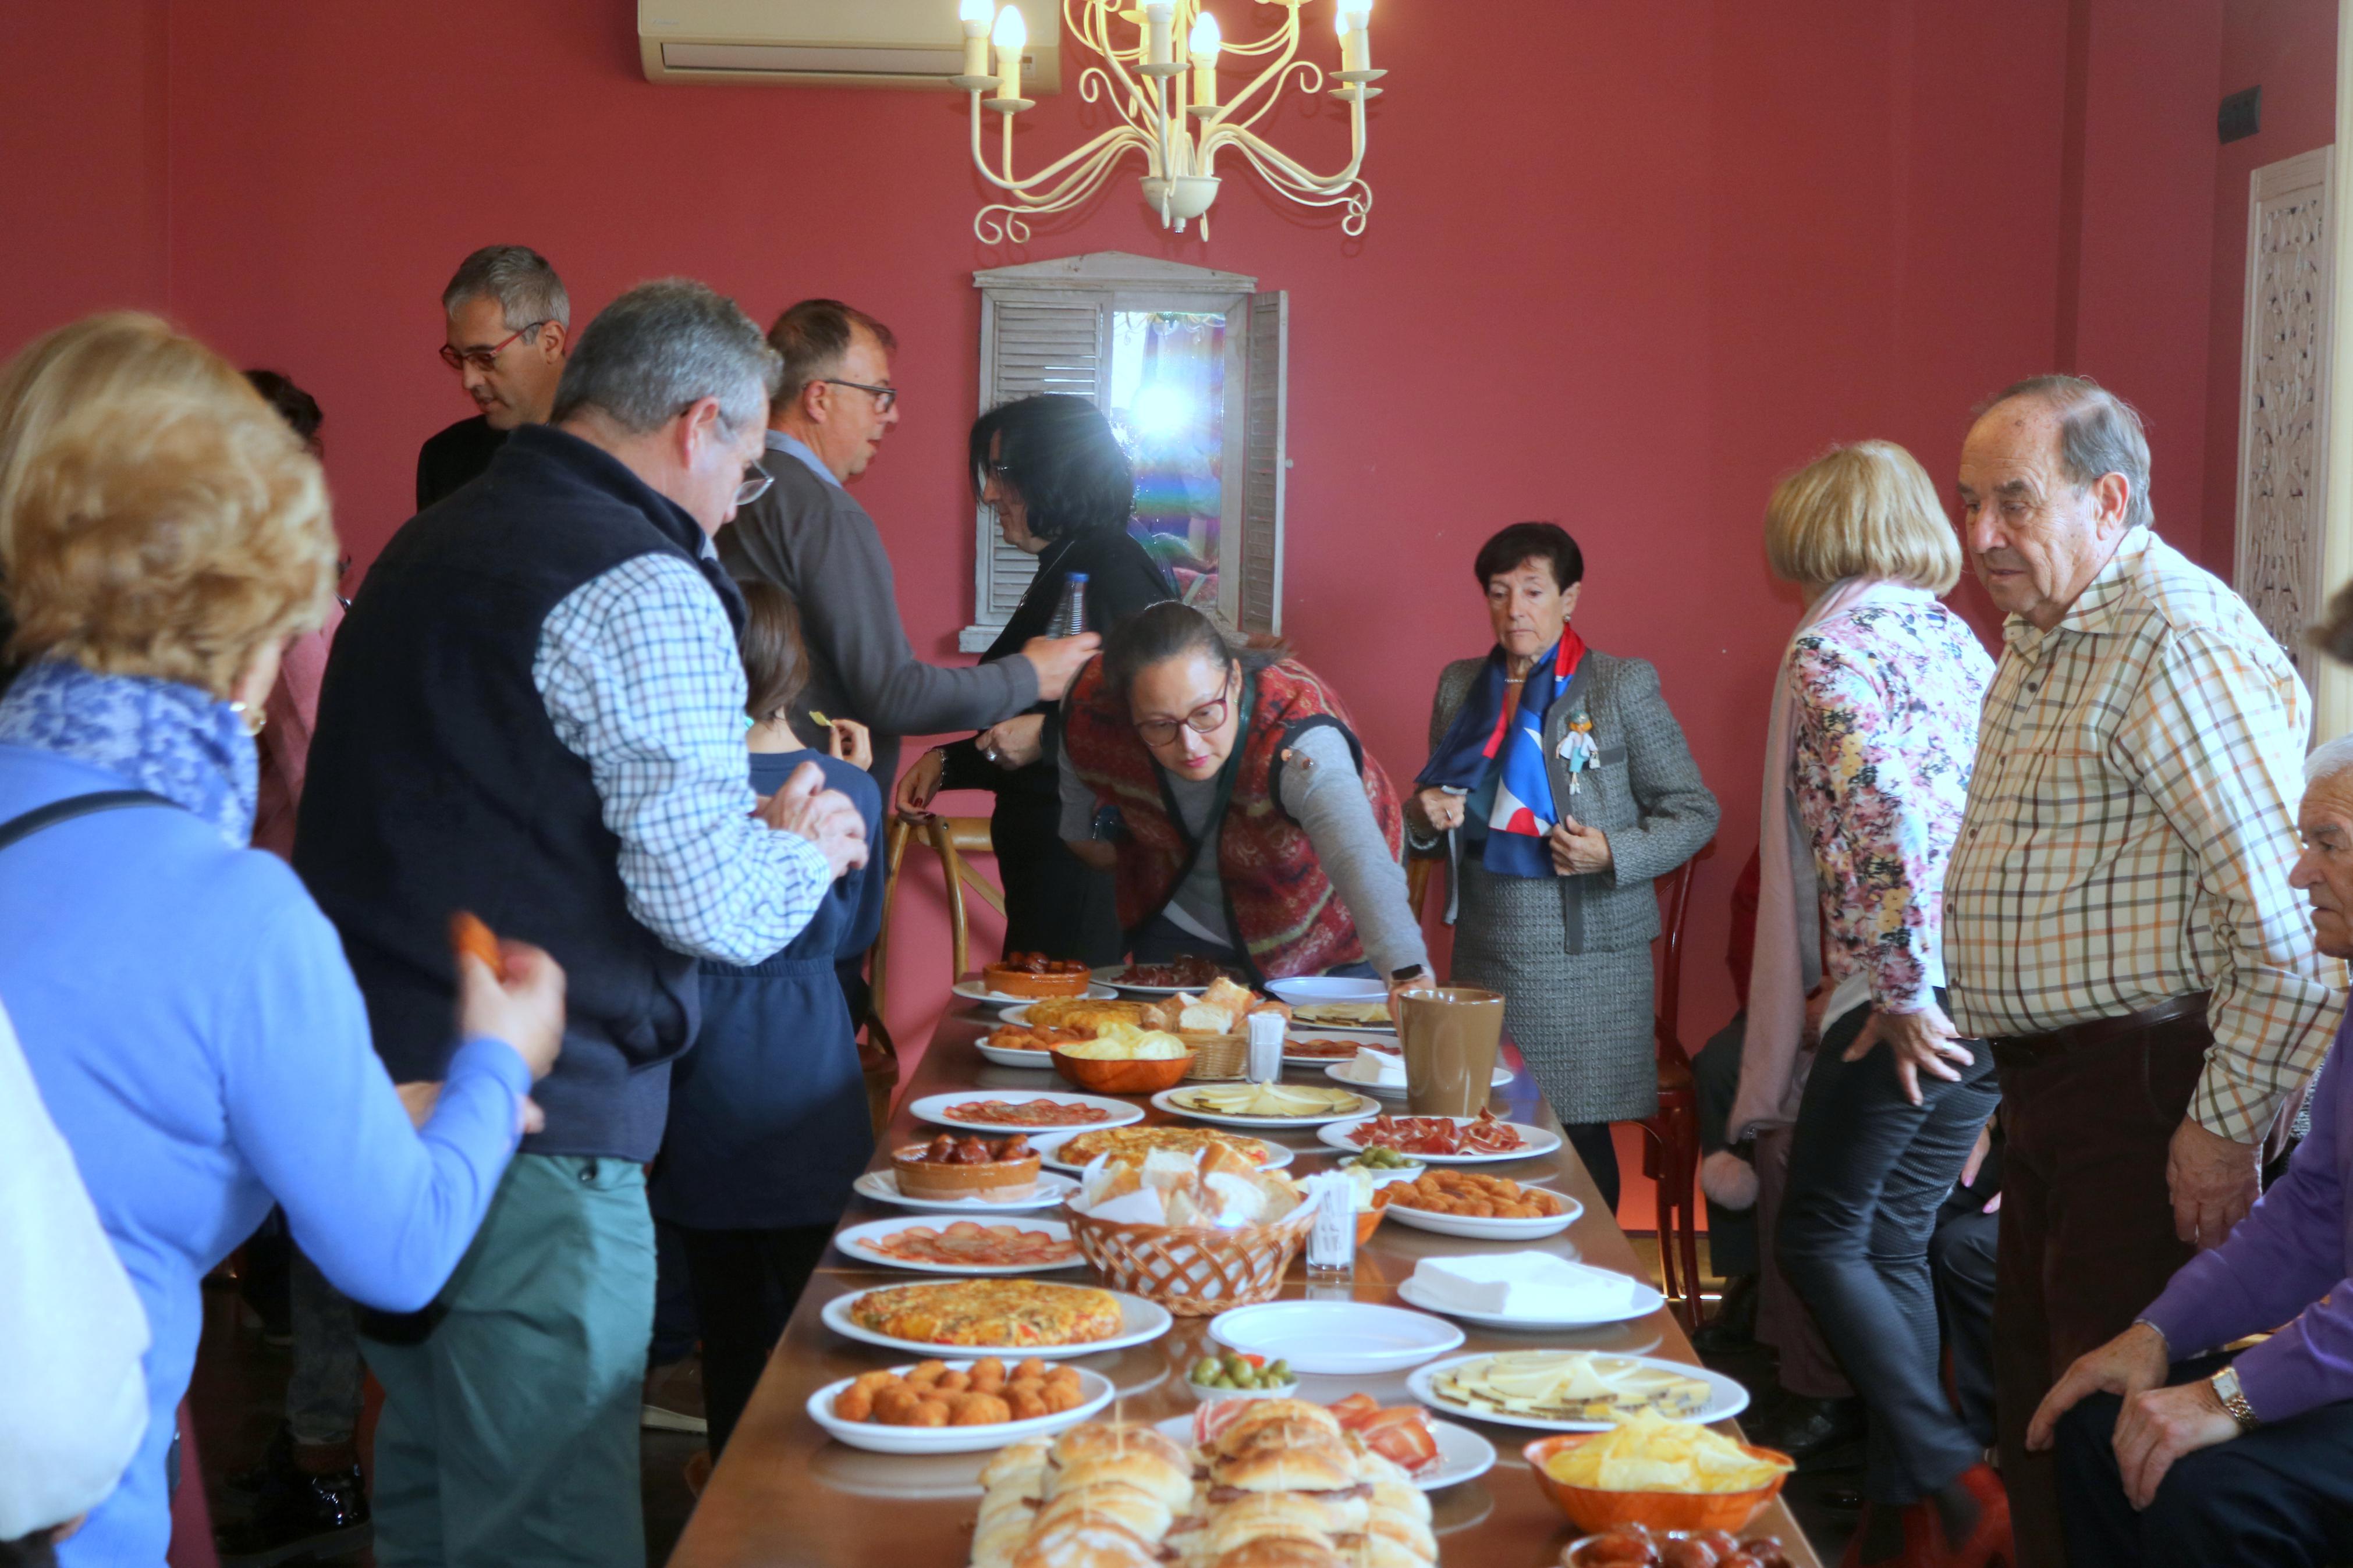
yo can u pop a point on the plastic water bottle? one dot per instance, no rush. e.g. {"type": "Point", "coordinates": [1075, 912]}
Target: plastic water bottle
{"type": "Point", "coordinates": [1071, 613]}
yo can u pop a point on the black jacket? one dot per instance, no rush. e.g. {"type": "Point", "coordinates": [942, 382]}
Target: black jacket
{"type": "Point", "coordinates": [455, 456]}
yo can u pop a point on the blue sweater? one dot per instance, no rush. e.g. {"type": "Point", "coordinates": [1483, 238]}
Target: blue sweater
{"type": "Point", "coordinates": [198, 1037]}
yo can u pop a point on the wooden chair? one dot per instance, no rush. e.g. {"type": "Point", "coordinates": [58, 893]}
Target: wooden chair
{"type": "Point", "coordinates": [951, 839]}
{"type": "Point", "coordinates": [1670, 1136]}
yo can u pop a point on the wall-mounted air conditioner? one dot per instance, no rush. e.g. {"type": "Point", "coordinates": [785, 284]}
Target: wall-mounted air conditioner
{"type": "Point", "coordinates": [828, 43]}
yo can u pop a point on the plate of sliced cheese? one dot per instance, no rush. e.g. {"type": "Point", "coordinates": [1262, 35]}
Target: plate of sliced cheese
{"type": "Point", "coordinates": [1573, 1391]}
{"type": "Point", "coordinates": [1263, 1104]}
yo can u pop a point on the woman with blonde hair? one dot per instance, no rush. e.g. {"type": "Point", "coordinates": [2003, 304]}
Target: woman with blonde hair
{"type": "Point", "coordinates": [1873, 733]}
{"type": "Point", "coordinates": [186, 1010]}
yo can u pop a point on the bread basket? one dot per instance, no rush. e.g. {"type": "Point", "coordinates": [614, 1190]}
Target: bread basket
{"type": "Point", "coordinates": [1194, 1272]}
{"type": "Point", "coordinates": [1217, 1056]}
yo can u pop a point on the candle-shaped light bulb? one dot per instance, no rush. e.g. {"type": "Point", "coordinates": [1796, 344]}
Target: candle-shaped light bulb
{"type": "Point", "coordinates": [1204, 44]}
{"type": "Point", "coordinates": [1159, 32]}
{"type": "Point", "coordinates": [1010, 36]}
{"type": "Point", "coordinates": [1355, 39]}
{"type": "Point", "coordinates": [975, 16]}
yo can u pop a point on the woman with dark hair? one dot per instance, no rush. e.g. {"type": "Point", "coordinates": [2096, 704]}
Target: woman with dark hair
{"type": "Point", "coordinates": [1242, 820]}
{"type": "Point", "coordinates": [768, 1125]}
{"type": "Point", "coordinates": [1558, 787]}
{"type": "Point", "coordinates": [1063, 490]}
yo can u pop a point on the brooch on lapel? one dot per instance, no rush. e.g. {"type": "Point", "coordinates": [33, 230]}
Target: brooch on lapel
{"type": "Point", "coordinates": [1577, 751]}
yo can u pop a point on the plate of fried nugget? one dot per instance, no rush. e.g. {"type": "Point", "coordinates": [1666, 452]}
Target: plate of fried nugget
{"type": "Point", "coordinates": [957, 1406]}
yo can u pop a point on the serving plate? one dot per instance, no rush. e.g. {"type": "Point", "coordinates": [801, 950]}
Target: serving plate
{"type": "Point", "coordinates": [1345, 1339]}
{"type": "Point", "coordinates": [1647, 1299]}
{"type": "Point", "coordinates": [856, 1242]}
{"type": "Point", "coordinates": [1355, 1039]}
{"type": "Point", "coordinates": [878, 1438]}
{"type": "Point", "coordinates": [1007, 1057]}
{"type": "Point", "coordinates": [1338, 1072]}
{"type": "Point", "coordinates": [882, 1186]}
{"type": "Point", "coordinates": [1050, 1148]}
{"type": "Point", "coordinates": [1462, 1454]}
{"type": "Point", "coordinates": [1534, 1141]}
{"type": "Point", "coordinates": [1140, 1322]}
{"type": "Point", "coordinates": [1108, 978]}
{"type": "Point", "coordinates": [934, 1108]}
{"type": "Point", "coordinates": [978, 991]}
{"type": "Point", "coordinates": [1173, 1101]}
{"type": "Point", "coordinates": [1306, 990]}
{"type": "Point", "coordinates": [1728, 1398]}
{"type": "Point", "coordinates": [1489, 1229]}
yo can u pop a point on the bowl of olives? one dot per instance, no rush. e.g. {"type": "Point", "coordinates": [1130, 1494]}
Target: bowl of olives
{"type": "Point", "coordinates": [1385, 1164]}
{"type": "Point", "coordinates": [1233, 1375]}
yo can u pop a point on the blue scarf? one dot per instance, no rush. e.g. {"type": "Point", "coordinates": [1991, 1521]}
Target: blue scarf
{"type": "Point", "coordinates": [183, 744]}
{"type": "Point", "coordinates": [1483, 731]}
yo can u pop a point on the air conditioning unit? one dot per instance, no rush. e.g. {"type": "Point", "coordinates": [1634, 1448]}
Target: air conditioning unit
{"type": "Point", "coordinates": [829, 43]}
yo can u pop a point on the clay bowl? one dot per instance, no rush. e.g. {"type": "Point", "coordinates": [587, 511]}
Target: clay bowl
{"type": "Point", "coordinates": [1369, 1220]}
{"type": "Point", "coordinates": [1118, 1075]}
{"type": "Point", "coordinates": [1593, 1510]}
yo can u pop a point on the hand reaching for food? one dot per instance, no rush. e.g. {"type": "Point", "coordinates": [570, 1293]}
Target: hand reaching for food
{"type": "Point", "coordinates": [850, 742]}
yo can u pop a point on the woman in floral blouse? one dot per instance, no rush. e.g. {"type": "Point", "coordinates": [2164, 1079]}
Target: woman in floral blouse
{"type": "Point", "coordinates": [1867, 767]}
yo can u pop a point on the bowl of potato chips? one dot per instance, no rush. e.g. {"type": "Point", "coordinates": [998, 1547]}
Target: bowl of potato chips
{"type": "Point", "coordinates": [1668, 1475]}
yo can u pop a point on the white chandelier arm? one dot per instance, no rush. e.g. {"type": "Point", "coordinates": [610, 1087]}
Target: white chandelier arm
{"type": "Point", "coordinates": [1268, 80]}
{"type": "Point", "coordinates": [1355, 195]}
{"type": "Point", "coordinates": [1311, 79]}
{"type": "Point", "coordinates": [1117, 139]}
{"type": "Point", "coordinates": [1095, 84]}
{"type": "Point", "coordinates": [1257, 147]}
{"type": "Point", "coordinates": [1076, 187]}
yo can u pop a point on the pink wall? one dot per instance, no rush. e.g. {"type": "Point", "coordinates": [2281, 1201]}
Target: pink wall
{"type": "Point", "coordinates": [2289, 49]}
{"type": "Point", "coordinates": [1627, 263]}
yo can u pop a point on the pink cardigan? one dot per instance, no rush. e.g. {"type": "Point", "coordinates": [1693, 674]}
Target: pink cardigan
{"type": "Point", "coordinates": [285, 739]}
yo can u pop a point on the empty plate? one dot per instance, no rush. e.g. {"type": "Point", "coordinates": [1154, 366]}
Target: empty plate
{"type": "Point", "coordinates": [1335, 1338]}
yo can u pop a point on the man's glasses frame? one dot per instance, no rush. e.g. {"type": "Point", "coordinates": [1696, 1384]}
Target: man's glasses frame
{"type": "Point", "coordinates": [485, 359]}
{"type": "Point", "coordinates": [755, 485]}
{"type": "Point", "coordinates": [885, 397]}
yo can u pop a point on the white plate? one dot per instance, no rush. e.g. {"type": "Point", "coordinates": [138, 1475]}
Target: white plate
{"type": "Point", "coordinates": [1648, 1301]}
{"type": "Point", "coordinates": [978, 991]}
{"type": "Point", "coordinates": [1358, 1037]}
{"type": "Point", "coordinates": [934, 1108]}
{"type": "Point", "coordinates": [1306, 990]}
{"type": "Point", "coordinates": [1108, 978]}
{"type": "Point", "coordinates": [1006, 1057]}
{"type": "Point", "coordinates": [1338, 1072]}
{"type": "Point", "coordinates": [882, 1186]}
{"type": "Point", "coordinates": [1534, 1140]}
{"type": "Point", "coordinates": [853, 1242]}
{"type": "Point", "coordinates": [1462, 1454]}
{"type": "Point", "coordinates": [1048, 1147]}
{"type": "Point", "coordinates": [1335, 1338]}
{"type": "Point", "coordinates": [1479, 1230]}
{"type": "Point", "coordinates": [875, 1438]}
{"type": "Point", "coordinates": [1172, 1101]}
{"type": "Point", "coordinates": [1140, 1321]}
{"type": "Point", "coordinates": [1730, 1398]}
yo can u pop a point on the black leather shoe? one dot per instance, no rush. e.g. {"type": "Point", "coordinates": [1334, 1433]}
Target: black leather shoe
{"type": "Point", "coordinates": [277, 1460]}
{"type": "Point", "coordinates": [1733, 1325]}
{"type": "Point", "coordinates": [1807, 1428]}
{"type": "Point", "coordinates": [299, 1514]}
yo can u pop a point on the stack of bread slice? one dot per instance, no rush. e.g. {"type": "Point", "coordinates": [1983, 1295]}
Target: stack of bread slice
{"type": "Point", "coordinates": [1282, 1487]}
{"type": "Point", "coordinates": [1219, 1010]}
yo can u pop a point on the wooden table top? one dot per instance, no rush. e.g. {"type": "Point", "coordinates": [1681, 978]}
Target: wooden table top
{"type": "Point", "coordinates": [786, 1493]}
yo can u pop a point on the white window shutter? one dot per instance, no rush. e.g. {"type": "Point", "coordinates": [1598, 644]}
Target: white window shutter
{"type": "Point", "coordinates": [1264, 463]}
{"type": "Point", "coordinates": [1029, 345]}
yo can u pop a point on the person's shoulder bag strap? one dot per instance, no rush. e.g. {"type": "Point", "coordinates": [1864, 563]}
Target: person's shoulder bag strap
{"type": "Point", "coordinates": [73, 805]}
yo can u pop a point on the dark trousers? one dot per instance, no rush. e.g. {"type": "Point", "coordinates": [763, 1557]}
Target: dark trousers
{"type": "Point", "coordinates": [2087, 1237]}
{"type": "Point", "coordinates": [1594, 1145]}
{"type": "Point", "coordinates": [1731, 1233]}
{"type": "Point", "coordinates": [1868, 1170]}
{"type": "Point", "coordinates": [1055, 903]}
{"type": "Point", "coordinates": [1962, 1261]}
{"type": "Point", "coordinates": [746, 1284]}
{"type": "Point", "coordinates": [2278, 1497]}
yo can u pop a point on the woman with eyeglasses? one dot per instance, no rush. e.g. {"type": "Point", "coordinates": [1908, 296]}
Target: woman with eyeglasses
{"type": "Point", "coordinates": [1242, 821]}
{"type": "Point", "coordinates": [1558, 788]}
{"type": "Point", "coordinates": [1064, 492]}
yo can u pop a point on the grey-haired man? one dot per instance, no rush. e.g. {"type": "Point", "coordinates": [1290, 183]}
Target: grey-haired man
{"type": "Point", "coordinates": [509, 326]}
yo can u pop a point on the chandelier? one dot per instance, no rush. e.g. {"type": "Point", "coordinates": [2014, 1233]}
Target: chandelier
{"type": "Point", "coordinates": [1168, 107]}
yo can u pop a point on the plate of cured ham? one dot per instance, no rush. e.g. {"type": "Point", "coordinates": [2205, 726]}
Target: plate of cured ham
{"type": "Point", "coordinates": [1442, 1140]}
{"type": "Point", "coordinates": [1046, 1109]}
{"type": "Point", "coordinates": [962, 1245]}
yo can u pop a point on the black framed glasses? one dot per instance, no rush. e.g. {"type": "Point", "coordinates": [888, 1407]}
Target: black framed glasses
{"type": "Point", "coordinates": [1201, 720]}
{"type": "Point", "coordinates": [485, 359]}
{"type": "Point", "coordinates": [885, 397]}
{"type": "Point", "coordinates": [756, 480]}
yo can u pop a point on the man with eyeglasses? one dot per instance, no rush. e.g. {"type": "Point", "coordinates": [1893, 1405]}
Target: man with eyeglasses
{"type": "Point", "coordinates": [810, 537]}
{"type": "Point", "coordinates": [509, 329]}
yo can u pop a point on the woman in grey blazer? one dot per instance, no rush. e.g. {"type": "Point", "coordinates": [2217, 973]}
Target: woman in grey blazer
{"type": "Point", "coordinates": [1558, 787]}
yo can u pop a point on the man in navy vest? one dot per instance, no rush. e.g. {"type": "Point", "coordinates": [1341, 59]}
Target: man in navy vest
{"type": "Point", "coordinates": [534, 711]}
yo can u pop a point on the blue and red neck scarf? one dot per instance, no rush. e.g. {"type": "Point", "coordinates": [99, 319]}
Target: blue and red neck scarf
{"type": "Point", "coordinates": [1484, 731]}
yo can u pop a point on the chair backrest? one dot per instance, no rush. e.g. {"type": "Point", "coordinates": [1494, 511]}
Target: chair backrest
{"type": "Point", "coordinates": [951, 838]}
{"type": "Point", "coordinates": [1418, 869]}
{"type": "Point", "coordinates": [1675, 897]}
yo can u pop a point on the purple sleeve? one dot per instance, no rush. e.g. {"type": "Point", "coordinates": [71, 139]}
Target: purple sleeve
{"type": "Point", "coordinates": [2283, 1264]}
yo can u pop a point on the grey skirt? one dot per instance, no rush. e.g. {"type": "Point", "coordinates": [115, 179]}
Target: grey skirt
{"type": "Point", "coordinates": [1582, 1020]}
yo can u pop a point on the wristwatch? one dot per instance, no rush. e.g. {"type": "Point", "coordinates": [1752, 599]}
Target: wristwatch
{"type": "Point", "coordinates": [2226, 1389]}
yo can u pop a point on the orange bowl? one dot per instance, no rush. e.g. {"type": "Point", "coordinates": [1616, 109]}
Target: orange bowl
{"type": "Point", "coordinates": [1121, 1075]}
{"type": "Point", "coordinates": [1593, 1510]}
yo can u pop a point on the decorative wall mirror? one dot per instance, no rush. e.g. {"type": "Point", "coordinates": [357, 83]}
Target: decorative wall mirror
{"type": "Point", "coordinates": [1187, 363]}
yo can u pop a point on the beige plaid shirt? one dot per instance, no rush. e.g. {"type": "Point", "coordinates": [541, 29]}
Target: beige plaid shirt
{"type": "Point", "coordinates": [2130, 826]}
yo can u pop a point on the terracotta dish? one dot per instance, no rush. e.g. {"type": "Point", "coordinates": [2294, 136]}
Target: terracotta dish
{"type": "Point", "coordinates": [1118, 1075]}
{"type": "Point", "coordinates": [1591, 1509]}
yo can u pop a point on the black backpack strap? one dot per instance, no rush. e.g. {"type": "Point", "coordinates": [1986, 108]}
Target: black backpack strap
{"type": "Point", "coordinates": [75, 806]}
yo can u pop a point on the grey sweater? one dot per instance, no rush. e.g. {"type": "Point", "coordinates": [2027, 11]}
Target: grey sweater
{"type": "Point", "coordinates": [1324, 794]}
{"type": "Point", "coordinates": [810, 537]}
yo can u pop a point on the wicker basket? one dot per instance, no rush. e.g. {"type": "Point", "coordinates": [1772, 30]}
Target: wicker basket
{"type": "Point", "coordinates": [1218, 1056]}
{"type": "Point", "coordinates": [1193, 1272]}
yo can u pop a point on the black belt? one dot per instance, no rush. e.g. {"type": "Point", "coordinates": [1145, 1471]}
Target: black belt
{"type": "Point", "coordinates": [2022, 1049]}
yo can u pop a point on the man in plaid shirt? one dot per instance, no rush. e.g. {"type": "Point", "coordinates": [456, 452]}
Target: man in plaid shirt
{"type": "Point", "coordinates": [2117, 916]}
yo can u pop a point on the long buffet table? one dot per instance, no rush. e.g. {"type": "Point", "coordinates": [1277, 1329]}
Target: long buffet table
{"type": "Point", "coordinates": [786, 1493]}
